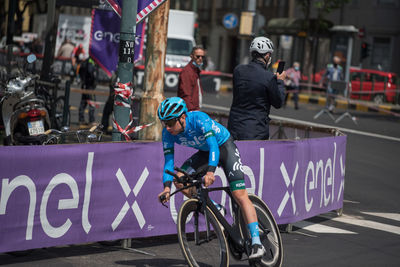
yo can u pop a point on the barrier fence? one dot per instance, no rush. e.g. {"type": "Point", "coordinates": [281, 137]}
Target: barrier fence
{"type": "Point", "coordinates": [60, 194]}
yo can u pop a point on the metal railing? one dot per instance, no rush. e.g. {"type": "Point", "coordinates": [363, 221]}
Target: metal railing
{"type": "Point", "coordinates": [287, 130]}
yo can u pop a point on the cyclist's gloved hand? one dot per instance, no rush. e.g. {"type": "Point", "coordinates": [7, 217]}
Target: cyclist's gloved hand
{"type": "Point", "coordinates": [209, 179]}
{"type": "Point", "coordinates": [164, 195]}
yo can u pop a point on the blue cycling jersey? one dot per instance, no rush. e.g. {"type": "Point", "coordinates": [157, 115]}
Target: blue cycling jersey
{"type": "Point", "coordinates": [201, 132]}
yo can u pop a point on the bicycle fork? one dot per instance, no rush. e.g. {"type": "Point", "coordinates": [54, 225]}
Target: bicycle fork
{"type": "Point", "coordinates": [196, 223]}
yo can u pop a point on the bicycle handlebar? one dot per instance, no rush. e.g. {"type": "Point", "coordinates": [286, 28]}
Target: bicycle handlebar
{"type": "Point", "coordinates": [188, 180]}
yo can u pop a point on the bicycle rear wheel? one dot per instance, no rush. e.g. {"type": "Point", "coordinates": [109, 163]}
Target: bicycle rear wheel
{"type": "Point", "coordinates": [59, 113]}
{"type": "Point", "coordinates": [197, 249]}
{"type": "Point", "coordinates": [269, 234]}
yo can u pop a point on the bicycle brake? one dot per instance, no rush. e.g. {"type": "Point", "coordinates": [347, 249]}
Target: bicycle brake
{"type": "Point", "coordinates": [162, 198]}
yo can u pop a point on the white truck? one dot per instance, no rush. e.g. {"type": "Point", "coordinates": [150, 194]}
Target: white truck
{"type": "Point", "coordinates": [180, 38]}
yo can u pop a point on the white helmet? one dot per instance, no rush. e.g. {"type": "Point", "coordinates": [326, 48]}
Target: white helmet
{"type": "Point", "coordinates": [262, 45]}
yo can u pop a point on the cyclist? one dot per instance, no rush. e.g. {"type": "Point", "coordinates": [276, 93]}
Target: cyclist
{"type": "Point", "coordinates": [215, 147]}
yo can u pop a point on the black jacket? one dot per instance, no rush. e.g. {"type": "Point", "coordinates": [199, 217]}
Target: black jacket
{"type": "Point", "coordinates": [254, 91]}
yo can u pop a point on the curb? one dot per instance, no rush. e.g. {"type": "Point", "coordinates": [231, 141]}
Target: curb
{"type": "Point", "coordinates": [225, 88]}
{"type": "Point", "coordinates": [351, 104]}
{"type": "Point", "coordinates": [358, 105]}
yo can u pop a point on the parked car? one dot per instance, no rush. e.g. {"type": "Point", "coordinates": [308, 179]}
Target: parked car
{"type": "Point", "coordinates": [375, 85]}
{"type": "Point", "coordinates": [368, 84]}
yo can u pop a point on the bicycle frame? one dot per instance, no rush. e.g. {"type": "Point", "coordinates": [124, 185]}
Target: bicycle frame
{"type": "Point", "coordinates": [234, 235]}
{"type": "Point", "coordinates": [232, 230]}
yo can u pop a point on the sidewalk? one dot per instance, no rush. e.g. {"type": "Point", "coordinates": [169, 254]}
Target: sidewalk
{"type": "Point", "coordinates": [351, 104]}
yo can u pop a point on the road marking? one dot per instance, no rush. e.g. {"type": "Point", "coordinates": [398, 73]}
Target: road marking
{"type": "Point", "coordinates": [351, 201]}
{"type": "Point", "coordinates": [365, 223]}
{"type": "Point", "coordinates": [391, 216]}
{"type": "Point", "coordinates": [316, 125]}
{"type": "Point", "coordinates": [320, 228]}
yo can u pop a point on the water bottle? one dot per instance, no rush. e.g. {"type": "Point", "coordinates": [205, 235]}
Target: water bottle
{"type": "Point", "coordinates": [219, 207]}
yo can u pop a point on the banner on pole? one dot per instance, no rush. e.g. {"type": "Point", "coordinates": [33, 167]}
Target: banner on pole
{"type": "Point", "coordinates": [105, 33]}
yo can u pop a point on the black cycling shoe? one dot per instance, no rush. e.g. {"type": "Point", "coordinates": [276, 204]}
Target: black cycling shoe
{"type": "Point", "coordinates": [257, 251]}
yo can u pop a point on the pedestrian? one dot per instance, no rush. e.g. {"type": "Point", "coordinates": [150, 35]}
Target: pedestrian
{"type": "Point", "coordinates": [78, 55]}
{"type": "Point", "coordinates": [333, 73]}
{"type": "Point", "coordinates": [215, 148]}
{"type": "Point", "coordinates": [292, 83]}
{"type": "Point", "coordinates": [66, 49]}
{"type": "Point", "coordinates": [23, 47]}
{"type": "Point", "coordinates": [189, 86]}
{"type": "Point", "coordinates": [109, 105]}
{"type": "Point", "coordinates": [88, 76]}
{"type": "Point", "coordinates": [37, 46]}
{"type": "Point", "coordinates": [255, 90]}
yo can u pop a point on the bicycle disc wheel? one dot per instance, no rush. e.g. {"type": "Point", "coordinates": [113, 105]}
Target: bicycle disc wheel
{"type": "Point", "coordinates": [197, 249]}
{"type": "Point", "coordinates": [269, 234]}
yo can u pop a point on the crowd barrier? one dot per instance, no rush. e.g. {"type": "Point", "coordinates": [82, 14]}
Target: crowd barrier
{"type": "Point", "coordinates": [78, 193]}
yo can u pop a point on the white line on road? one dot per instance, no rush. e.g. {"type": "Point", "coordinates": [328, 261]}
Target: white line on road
{"type": "Point", "coordinates": [365, 223]}
{"type": "Point", "coordinates": [350, 201]}
{"type": "Point", "coordinates": [320, 228]}
{"type": "Point", "coordinates": [316, 124]}
{"type": "Point", "coordinates": [391, 216]}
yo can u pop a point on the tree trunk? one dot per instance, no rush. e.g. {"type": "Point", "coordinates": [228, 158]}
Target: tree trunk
{"type": "Point", "coordinates": [154, 72]}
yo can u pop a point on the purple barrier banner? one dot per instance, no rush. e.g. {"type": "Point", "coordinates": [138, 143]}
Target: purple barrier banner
{"type": "Point", "coordinates": [71, 194]}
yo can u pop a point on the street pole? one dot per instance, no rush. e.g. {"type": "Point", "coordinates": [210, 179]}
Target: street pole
{"type": "Point", "coordinates": [12, 7]}
{"type": "Point", "coordinates": [50, 39]}
{"type": "Point", "coordinates": [154, 72]}
{"type": "Point", "coordinates": [125, 64]}
{"type": "Point", "coordinates": [244, 43]}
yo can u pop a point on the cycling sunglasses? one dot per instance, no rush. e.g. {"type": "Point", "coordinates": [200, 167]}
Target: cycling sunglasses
{"type": "Point", "coordinates": [169, 123]}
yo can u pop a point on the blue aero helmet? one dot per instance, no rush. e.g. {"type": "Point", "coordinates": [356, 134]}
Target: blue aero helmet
{"type": "Point", "coordinates": [171, 108]}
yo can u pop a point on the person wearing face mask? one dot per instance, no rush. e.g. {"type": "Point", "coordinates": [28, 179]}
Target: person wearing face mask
{"type": "Point", "coordinates": [255, 90]}
{"type": "Point", "coordinates": [189, 86]}
{"type": "Point", "coordinates": [333, 73]}
{"type": "Point", "coordinates": [292, 83]}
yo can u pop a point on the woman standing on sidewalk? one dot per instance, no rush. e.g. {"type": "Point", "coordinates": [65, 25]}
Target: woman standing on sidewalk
{"type": "Point", "coordinates": [292, 83]}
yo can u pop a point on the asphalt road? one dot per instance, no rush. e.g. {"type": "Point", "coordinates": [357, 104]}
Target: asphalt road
{"type": "Point", "coordinates": [367, 234]}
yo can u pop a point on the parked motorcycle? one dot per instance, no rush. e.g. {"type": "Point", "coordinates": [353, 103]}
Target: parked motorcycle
{"type": "Point", "coordinates": [25, 117]}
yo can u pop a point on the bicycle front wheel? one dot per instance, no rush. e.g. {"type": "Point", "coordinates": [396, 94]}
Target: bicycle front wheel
{"type": "Point", "coordinates": [198, 247]}
{"type": "Point", "coordinates": [269, 234]}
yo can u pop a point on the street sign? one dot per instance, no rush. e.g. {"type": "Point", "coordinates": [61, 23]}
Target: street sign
{"type": "Point", "coordinates": [286, 41]}
{"type": "Point", "coordinates": [230, 21]}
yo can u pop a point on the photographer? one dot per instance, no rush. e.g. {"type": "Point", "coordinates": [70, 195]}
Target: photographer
{"type": "Point", "coordinates": [255, 89]}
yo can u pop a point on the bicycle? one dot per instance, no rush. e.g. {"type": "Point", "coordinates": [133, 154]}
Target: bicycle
{"type": "Point", "coordinates": [201, 223]}
{"type": "Point", "coordinates": [54, 104]}
{"type": "Point", "coordinates": [92, 135]}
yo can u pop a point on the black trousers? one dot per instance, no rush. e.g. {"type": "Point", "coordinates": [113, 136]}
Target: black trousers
{"type": "Point", "coordinates": [84, 102]}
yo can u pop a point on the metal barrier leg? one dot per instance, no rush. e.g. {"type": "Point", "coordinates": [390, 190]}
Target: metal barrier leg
{"type": "Point", "coordinates": [126, 243]}
{"type": "Point", "coordinates": [322, 111]}
{"type": "Point", "coordinates": [346, 114]}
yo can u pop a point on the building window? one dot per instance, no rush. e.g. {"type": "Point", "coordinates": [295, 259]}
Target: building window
{"type": "Point", "coordinates": [381, 53]}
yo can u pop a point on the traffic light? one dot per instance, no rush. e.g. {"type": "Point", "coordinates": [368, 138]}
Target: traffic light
{"type": "Point", "coordinates": [365, 50]}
